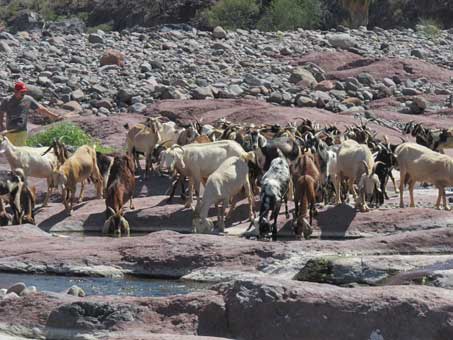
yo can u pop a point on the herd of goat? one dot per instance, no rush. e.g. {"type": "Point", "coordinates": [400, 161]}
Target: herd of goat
{"type": "Point", "coordinates": [303, 162]}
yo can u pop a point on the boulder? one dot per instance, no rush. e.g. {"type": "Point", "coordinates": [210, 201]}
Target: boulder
{"type": "Point", "coordinates": [77, 95]}
{"type": "Point", "coordinates": [219, 33]}
{"type": "Point", "coordinates": [325, 85]}
{"type": "Point", "coordinates": [301, 75]}
{"type": "Point", "coordinates": [16, 288]}
{"type": "Point", "coordinates": [72, 106]}
{"type": "Point", "coordinates": [112, 57]}
{"type": "Point", "coordinates": [341, 40]}
{"type": "Point", "coordinates": [25, 20]}
{"type": "Point", "coordinates": [95, 38]}
{"type": "Point", "coordinates": [202, 92]}
{"type": "Point", "coordinates": [76, 291]}
{"type": "Point", "coordinates": [65, 26]}
{"type": "Point", "coordinates": [35, 91]}
{"type": "Point", "coordinates": [4, 47]}
{"type": "Point", "coordinates": [28, 291]}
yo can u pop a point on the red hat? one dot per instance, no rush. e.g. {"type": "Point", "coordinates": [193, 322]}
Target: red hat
{"type": "Point", "coordinates": [20, 87]}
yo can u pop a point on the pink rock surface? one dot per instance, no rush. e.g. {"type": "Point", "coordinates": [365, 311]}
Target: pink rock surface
{"type": "Point", "coordinates": [342, 65]}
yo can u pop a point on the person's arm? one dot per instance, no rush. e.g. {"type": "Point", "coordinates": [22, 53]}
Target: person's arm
{"type": "Point", "coordinates": [34, 105]}
{"type": "Point", "coordinates": [46, 112]}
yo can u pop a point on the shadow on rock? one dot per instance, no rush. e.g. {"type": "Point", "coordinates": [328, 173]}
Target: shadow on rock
{"type": "Point", "coordinates": [335, 222]}
{"type": "Point", "coordinates": [48, 223]}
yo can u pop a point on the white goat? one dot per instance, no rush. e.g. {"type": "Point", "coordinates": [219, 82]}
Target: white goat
{"type": "Point", "coordinates": [31, 161]}
{"type": "Point", "coordinates": [198, 161]}
{"type": "Point", "coordinates": [418, 163]}
{"type": "Point", "coordinates": [350, 165]}
{"type": "Point", "coordinates": [222, 185]}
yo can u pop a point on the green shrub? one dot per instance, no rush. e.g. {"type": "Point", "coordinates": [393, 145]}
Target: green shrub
{"type": "Point", "coordinates": [429, 27]}
{"type": "Point", "coordinates": [232, 14]}
{"type": "Point", "coordinates": [72, 135]}
{"type": "Point", "coordinates": [287, 15]}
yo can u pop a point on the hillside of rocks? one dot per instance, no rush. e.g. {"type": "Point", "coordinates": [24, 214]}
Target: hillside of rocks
{"type": "Point", "coordinates": [388, 74]}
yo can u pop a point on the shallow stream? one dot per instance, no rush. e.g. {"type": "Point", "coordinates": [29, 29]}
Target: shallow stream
{"type": "Point", "coordinates": [104, 286]}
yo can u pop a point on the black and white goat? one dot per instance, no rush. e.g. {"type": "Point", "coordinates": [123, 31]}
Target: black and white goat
{"type": "Point", "coordinates": [385, 161]}
{"type": "Point", "coordinates": [274, 190]}
{"type": "Point", "coordinates": [11, 184]}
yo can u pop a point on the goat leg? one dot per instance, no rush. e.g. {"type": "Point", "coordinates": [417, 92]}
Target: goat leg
{"type": "Point", "coordinates": [190, 198]}
{"type": "Point", "coordinates": [402, 179]}
{"type": "Point", "coordinates": [439, 197]}
{"type": "Point", "coordinates": [221, 225]}
{"type": "Point", "coordinates": [82, 192]}
{"type": "Point", "coordinates": [173, 189]}
{"type": "Point", "coordinates": [445, 202]}
{"type": "Point", "coordinates": [411, 193]}
{"type": "Point", "coordinates": [286, 206]}
{"type": "Point", "coordinates": [394, 182]}
{"type": "Point", "coordinates": [65, 195]}
{"type": "Point", "coordinates": [275, 214]}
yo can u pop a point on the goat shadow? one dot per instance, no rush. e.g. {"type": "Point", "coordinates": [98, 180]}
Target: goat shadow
{"type": "Point", "coordinates": [47, 224]}
{"type": "Point", "coordinates": [335, 222]}
{"type": "Point", "coordinates": [154, 185]}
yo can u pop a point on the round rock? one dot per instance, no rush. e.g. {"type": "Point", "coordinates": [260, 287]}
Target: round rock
{"type": "Point", "coordinates": [16, 288]}
{"type": "Point", "coordinates": [219, 33]}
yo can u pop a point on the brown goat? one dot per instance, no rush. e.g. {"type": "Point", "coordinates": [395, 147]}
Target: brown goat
{"type": "Point", "coordinates": [27, 202]}
{"type": "Point", "coordinates": [306, 180]}
{"type": "Point", "coordinates": [78, 168]}
{"type": "Point", "coordinates": [120, 189]}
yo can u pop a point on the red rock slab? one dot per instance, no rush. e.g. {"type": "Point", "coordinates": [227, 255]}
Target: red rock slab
{"type": "Point", "coordinates": [342, 65]}
{"type": "Point", "coordinates": [59, 314]}
{"type": "Point", "coordinates": [316, 312]}
{"type": "Point", "coordinates": [173, 255]}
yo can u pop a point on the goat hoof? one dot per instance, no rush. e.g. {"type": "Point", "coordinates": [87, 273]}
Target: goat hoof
{"type": "Point", "coordinates": [188, 206]}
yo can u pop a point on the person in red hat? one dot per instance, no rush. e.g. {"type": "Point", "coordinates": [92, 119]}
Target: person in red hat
{"type": "Point", "coordinates": [17, 109]}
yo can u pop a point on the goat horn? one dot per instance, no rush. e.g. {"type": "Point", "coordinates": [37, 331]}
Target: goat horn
{"type": "Point", "coordinates": [48, 149]}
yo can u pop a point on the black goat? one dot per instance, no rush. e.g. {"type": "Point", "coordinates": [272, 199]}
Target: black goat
{"type": "Point", "coordinates": [387, 162]}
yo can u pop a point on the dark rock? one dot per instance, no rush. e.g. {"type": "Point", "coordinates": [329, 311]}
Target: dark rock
{"type": "Point", "coordinates": [25, 20]}
{"type": "Point", "coordinates": [16, 288]}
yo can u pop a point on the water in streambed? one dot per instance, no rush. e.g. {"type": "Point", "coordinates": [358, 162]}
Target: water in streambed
{"type": "Point", "coordinates": [103, 286]}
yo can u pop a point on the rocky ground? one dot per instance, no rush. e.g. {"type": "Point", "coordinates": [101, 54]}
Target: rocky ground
{"type": "Point", "coordinates": [350, 286]}
{"type": "Point", "coordinates": [106, 73]}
